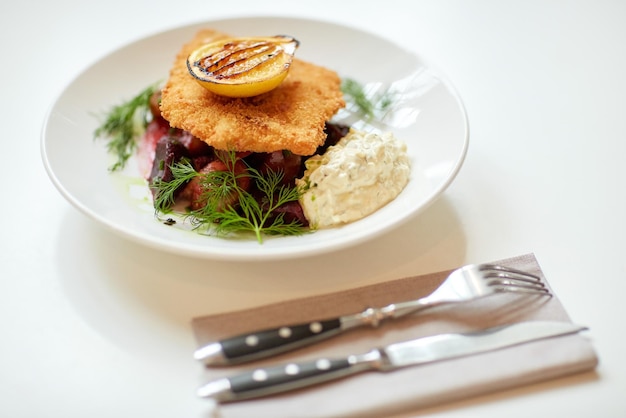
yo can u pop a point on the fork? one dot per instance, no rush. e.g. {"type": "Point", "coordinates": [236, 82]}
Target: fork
{"type": "Point", "coordinates": [464, 284]}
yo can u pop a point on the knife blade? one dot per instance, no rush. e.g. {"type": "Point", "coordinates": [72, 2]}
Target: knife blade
{"type": "Point", "coordinates": [277, 379]}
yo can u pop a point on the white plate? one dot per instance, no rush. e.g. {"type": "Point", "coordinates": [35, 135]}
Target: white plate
{"type": "Point", "coordinates": [436, 134]}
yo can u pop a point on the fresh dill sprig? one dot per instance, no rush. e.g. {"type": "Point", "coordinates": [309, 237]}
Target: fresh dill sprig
{"type": "Point", "coordinates": [355, 90]}
{"type": "Point", "coordinates": [229, 208]}
{"type": "Point", "coordinates": [274, 195]}
{"type": "Point", "coordinates": [367, 106]}
{"type": "Point", "coordinates": [164, 191]}
{"type": "Point", "coordinates": [120, 126]}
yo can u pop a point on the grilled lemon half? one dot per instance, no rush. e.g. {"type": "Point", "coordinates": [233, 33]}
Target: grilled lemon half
{"type": "Point", "coordinates": [242, 67]}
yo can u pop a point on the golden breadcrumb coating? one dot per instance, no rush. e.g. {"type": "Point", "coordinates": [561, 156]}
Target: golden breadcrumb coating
{"type": "Point", "coordinates": [290, 117]}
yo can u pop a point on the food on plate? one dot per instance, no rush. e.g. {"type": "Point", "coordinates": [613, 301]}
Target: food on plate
{"type": "Point", "coordinates": [353, 178]}
{"type": "Point", "coordinates": [242, 67]}
{"type": "Point", "coordinates": [228, 192]}
{"type": "Point", "coordinates": [273, 163]}
{"type": "Point", "coordinates": [290, 117]}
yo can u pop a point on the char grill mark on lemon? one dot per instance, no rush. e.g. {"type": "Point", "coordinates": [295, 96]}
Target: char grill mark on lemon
{"type": "Point", "coordinates": [235, 62]}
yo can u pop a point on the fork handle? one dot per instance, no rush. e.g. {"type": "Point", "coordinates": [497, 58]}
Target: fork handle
{"type": "Point", "coordinates": [265, 343]}
{"type": "Point", "coordinates": [259, 344]}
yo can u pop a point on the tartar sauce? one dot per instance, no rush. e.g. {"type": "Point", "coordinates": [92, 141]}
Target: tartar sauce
{"type": "Point", "coordinates": [353, 179]}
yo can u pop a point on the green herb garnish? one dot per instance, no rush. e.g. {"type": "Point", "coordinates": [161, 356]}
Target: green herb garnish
{"type": "Point", "coordinates": [164, 191]}
{"type": "Point", "coordinates": [122, 125]}
{"type": "Point", "coordinates": [366, 105]}
{"type": "Point", "coordinates": [229, 208]}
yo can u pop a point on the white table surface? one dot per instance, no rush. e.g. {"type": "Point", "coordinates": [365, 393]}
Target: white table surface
{"type": "Point", "coordinates": [95, 326]}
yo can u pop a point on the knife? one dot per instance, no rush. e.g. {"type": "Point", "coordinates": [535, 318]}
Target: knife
{"type": "Point", "coordinates": [277, 379]}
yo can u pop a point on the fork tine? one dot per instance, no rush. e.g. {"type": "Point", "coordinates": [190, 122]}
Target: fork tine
{"type": "Point", "coordinates": [511, 286]}
{"type": "Point", "coordinates": [501, 269]}
{"type": "Point", "coordinates": [505, 279]}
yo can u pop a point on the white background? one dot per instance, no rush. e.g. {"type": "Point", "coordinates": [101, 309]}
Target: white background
{"type": "Point", "coordinates": [94, 325]}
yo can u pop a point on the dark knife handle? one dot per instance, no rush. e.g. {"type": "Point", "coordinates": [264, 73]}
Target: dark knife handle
{"type": "Point", "coordinates": [259, 344]}
{"type": "Point", "coordinates": [278, 379]}
{"type": "Point", "coordinates": [262, 382]}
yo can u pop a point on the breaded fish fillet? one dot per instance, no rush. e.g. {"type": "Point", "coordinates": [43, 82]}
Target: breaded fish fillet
{"type": "Point", "coordinates": [290, 117]}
